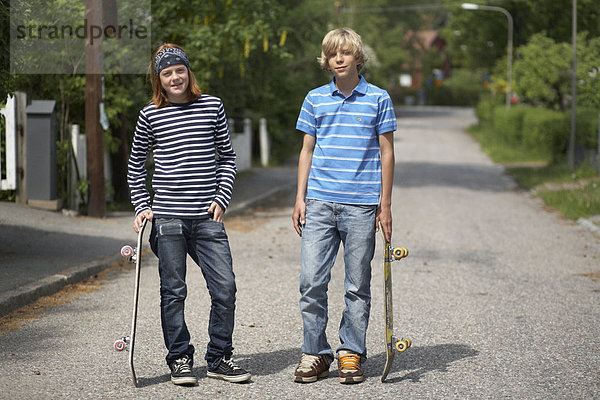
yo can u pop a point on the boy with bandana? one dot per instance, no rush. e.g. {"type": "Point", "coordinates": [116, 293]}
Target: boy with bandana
{"type": "Point", "coordinates": [193, 180]}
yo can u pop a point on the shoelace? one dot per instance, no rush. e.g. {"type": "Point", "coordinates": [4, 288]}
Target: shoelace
{"type": "Point", "coordinates": [349, 361]}
{"type": "Point", "coordinates": [182, 365]}
{"type": "Point", "coordinates": [307, 361]}
{"type": "Point", "coordinates": [231, 364]}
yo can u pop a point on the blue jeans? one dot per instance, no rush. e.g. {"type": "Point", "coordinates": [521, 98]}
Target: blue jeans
{"type": "Point", "coordinates": [328, 224]}
{"type": "Point", "coordinates": [206, 241]}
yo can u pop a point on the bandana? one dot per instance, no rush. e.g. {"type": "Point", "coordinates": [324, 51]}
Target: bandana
{"type": "Point", "coordinates": [169, 56]}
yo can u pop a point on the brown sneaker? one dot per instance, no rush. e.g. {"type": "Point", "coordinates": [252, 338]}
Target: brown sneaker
{"type": "Point", "coordinates": [349, 369]}
{"type": "Point", "coordinates": [311, 368]}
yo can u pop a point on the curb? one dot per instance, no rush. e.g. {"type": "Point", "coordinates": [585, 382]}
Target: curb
{"type": "Point", "coordinates": [17, 298]}
{"type": "Point", "coordinates": [590, 225]}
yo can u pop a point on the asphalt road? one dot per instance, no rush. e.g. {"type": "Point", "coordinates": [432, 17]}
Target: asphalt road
{"type": "Point", "coordinates": [497, 295]}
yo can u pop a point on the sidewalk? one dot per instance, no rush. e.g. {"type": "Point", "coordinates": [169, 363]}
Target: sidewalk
{"type": "Point", "coordinates": [42, 251]}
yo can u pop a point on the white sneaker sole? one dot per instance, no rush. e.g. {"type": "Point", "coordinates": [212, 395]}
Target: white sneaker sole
{"type": "Point", "coordinates": [352, 379]}
{"type": "Point", "coordinates": [185, 380]}
{"type": "Point", "coordinates": [234, 378]}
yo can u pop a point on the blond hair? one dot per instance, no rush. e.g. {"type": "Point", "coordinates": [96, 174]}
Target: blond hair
{"type": "Point", "coordinates": [345, 38]}
{"type": "Point", "coordinates": [159, 97]}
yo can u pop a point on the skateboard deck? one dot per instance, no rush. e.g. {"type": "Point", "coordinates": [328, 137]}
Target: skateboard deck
{"type": "Point", "coordinates": [128, 342]}
{"type": "Point", "coordinates": [392, 341]}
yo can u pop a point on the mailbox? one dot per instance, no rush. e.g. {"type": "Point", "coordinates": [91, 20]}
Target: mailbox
{"type": "Point", "coordinates": [41, 170]}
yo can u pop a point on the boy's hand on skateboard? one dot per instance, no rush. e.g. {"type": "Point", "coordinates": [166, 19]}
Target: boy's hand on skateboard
{"type": "Point", "coordinates": [139, 219]}
{"type": "Point", "coordinates": [216, 211]}
{"type": "Point", "coordinates": [299, 216]}
{"type": "Point", "coordinates": [384, 219]}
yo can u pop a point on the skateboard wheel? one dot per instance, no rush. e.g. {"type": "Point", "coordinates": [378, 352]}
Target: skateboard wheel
{"type": "Point", "coordinates": [400, 252]}
{"type": "Point", "coordinates": [120, 345]}
{"type": "Point", "coordinates": [126, 251]}
{"type": "Point", "coordinates": [408, 342]}
{"type": "Point", "coordinates": [402, 345]}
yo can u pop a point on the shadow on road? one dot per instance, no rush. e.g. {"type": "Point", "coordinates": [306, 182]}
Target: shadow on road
{"type": "Point", "coordinates": [419, 361]}
{"type": "Point", "coordinates": [270, 363]}
{"type": "Point", "coordinates": [468, 176]}
{"type": "Point", "coordinates": [157, 380]}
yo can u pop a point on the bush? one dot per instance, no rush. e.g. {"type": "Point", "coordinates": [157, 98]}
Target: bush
{"type": "Point", "coordinates": [544, 130]}
{"type": "Point", "coordinates": [553, 128]}
{"type": "Point", "coordinates": [485, 108]}
{"type": "Point", "coordinates": [463, 88]}
{"type": "Point", "coordinates": [586, 127]}
{"type": "Point", "coordinates": [508, 124]}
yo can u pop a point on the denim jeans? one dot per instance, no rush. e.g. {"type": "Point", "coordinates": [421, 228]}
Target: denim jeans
{"type": "Point", "coordinates": [207, 244]}
{"type": "Point", "coordinates": [328, 224]}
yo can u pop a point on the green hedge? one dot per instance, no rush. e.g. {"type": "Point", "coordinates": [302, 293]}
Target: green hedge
{"type": "Point", "coordinates": [508, 123]}
{"type": "Point", "coordinates": [545, 130]}
{"type": "Point", "coordinates": [485, 108]}
{"type": "Point", "coordinates": [540, 130]}
{"type": "Point", "coordinates": [587, 127]}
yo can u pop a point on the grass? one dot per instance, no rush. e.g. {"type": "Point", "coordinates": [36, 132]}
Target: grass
{"type": "Point", "coordinates": [575, 203]}
{"type": "Point", "coordinates": [531, 177]}
{"type": "Point", "coordinates": [501, 152]}
{"type": "Point", "coordinates": [575, 194]}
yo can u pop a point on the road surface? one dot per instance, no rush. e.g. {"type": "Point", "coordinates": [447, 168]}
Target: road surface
{"type": "Point", "coordinates": [498, 296]}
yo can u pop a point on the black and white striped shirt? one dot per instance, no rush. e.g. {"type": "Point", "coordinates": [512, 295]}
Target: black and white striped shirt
{"type": "Point", "coordinates": [193, 156]}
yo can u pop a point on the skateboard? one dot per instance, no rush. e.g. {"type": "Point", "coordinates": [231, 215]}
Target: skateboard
{"type": "Point", "coordinates": [392, 341]}
{"type": "Point", "coordinates": [128, 342]}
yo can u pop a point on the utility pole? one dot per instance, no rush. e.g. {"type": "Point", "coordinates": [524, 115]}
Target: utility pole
{"type": "Point", "coordinates": [571, 149]}
{"type": "Point", "coordinates": [93, 93]}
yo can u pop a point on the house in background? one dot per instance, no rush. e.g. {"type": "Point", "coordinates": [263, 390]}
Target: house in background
{"type": "Point", "coordinates": [428, 63]}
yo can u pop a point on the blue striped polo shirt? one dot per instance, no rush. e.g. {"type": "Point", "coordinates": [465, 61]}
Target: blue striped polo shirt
{"type": "Point", "coordinates": [346, 165]}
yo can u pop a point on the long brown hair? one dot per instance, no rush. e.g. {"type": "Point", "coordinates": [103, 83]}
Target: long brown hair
{"type": "Point", "coordinates": [159, 97]}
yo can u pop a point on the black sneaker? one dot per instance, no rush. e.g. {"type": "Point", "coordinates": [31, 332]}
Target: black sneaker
{"type": "Point", "coordinates": [181, 371]}
{"type": "Point", "coordinates": [229, 371]}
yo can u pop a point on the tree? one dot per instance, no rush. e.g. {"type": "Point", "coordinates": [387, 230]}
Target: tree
{"type": "Point", "coordinates": [257, 55]}
{"type": "Point", "coordinates": [383, 25]}
{"type": "Point", "coordinates": [478, 38]}
{"type": "Point", "coordinates": [588, 71]}
{"type": "Point", "coordinates": [554, 18]}
{"type": "Point", "coordinates": [542, 73]}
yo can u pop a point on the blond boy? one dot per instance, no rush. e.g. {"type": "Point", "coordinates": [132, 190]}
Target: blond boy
{"type": "Point", "coordinates": [345, 178]}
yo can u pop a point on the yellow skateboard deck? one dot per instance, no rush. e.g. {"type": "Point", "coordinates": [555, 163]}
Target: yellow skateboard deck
{"type": "Point", "coordinates": [399, 343]}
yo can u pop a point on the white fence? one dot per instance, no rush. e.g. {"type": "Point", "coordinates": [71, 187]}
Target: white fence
{"type": "Point", "coordinates": [9, 137]}
{"type": "Point", "coordinates": [242, 144]}
{"type": "Point", "coordinates": [265, 144]}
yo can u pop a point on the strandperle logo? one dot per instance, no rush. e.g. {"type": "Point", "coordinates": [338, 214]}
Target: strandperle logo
{"type": "Point", "coordinates": [83, 31]}
{"type": "Point", "coordinates": [51, 36]}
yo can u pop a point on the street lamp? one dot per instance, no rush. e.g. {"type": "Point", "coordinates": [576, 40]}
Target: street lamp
{"type": "Point", "coordinates": [472, 6]}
